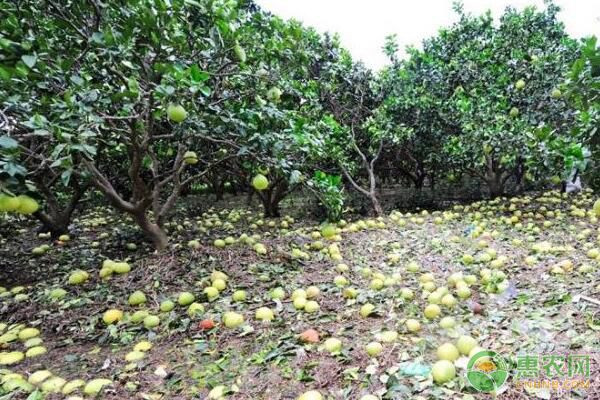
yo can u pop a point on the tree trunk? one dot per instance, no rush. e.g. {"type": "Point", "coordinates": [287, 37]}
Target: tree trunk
{"type": "Point", "coordinates": [153, 231]}
{"type": "Point", "coordinates": [271, 207]}
{"type": "Point", "coordinates": [249, 197]}
{"type": "Point", "coordinates": [376, 205]}
{"type": "Point", "coordinates": [55, 223]}
{"type": "Point", "coordinates": [419, 181]}
{"type": "Point", "coordinates": [219, 190]}
{"type": "Point", "coordinates": [57, 217]}
{"type": "Point", "coordinates": [495, 184]}
{"type": "Point", "coordinates": [270, 202]}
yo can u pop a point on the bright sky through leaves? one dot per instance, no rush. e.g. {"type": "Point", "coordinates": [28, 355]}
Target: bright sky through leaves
{"type": "Point", "coordinates": [363, 25]}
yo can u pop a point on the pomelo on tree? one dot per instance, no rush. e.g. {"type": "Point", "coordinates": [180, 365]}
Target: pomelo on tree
{"type": "Point", "coordinates": [260, 182]}
{"type": "Point", "coordinates": [240, 53]}
{"type": "Point", "coordinates": [9, 203]}
{"type": "Point", "coordinates": [176, 112]}
{"type": "Point", "coordinates": [190, 157]}
{"type": "Point", "coordinates": [520, 84]}
{"type": "Point", "coordinates": [27, 205]}
{"type": "Point", "coordinates": [274, 94]}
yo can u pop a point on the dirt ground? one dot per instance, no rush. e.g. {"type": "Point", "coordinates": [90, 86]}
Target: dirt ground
{"type": "Point", "coordinates": [532, 311]}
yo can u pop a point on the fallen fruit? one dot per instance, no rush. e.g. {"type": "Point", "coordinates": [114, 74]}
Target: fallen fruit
{"type": "Point", "coordinates": [374, 349]}
{"type": "Point", "coordinates": [333, 345]}
{"type": "Point", "coordinates": [366, 310]}
{"type": "Point", "coordinates": [167, 306]}
{"type": "Point", "coordinates": [39, 376]}
{"type": "Point", "coordinates": [311, 395]}
{"type": "Point", "coordinates": [206, 324]}
{"type": "Point", "coordinates": [151, 321]}
{"type": "Point", "coordinates": [465, 344]}
{"type": "Point", "coordinates": [111, 316]}
{"type": "Point", "coordinates": [185, 298]}
{"type": "Point", "coordinates": [264, 314]}
{"type": "Point", "coordinates": [94, 386]}
{"type": "Point", "coordinates": [309, 336]}
{"type": "Point", "coordinates": [136, 298]}
{"type": "Point", "coordinates": [28, 333]}
{"type": "Point", "coordinates": [447, 351]}
{"type": "Point", "coordinates": [53, 384]}
{"type": "Point", "coordinates": [11, 358]}
{"type": "Point", "coordinates": [432, 311]}
{"type": "Point", "coordinates": [311, 306]}
{"type": "Point", "coordinates": [413, 325]}
{"type": "Point", "coordinates": [232, 319]}
{"type": "Point", "coordinates": [72, 386]}
{"type": "Point", "coordinates": [443, 371]}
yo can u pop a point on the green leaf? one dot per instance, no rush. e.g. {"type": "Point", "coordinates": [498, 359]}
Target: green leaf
{"type": "Point", "coordinates": [205, 90]}
{"type": "Point", "coordinates": [29, 60]}
{"type": "Point", "coordinates": [197, 75]}
{"type": "Point", "coordinates": [7, 142]}
{"type": "Point", "coordinates": [4, 74]}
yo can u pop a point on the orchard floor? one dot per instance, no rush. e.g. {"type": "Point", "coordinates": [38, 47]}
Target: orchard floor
{"type": "Point", "coordinates": [539, 313]}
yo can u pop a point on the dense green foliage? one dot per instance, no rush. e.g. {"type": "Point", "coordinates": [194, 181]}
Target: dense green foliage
{"type": "Point", "coordinates": [141, 100]}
